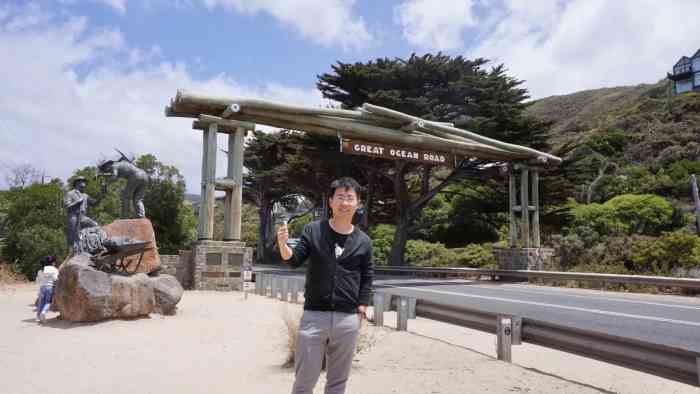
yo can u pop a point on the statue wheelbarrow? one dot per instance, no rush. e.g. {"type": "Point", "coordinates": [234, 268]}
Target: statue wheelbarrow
{"type": "Point", "coordinates": [113, 259]}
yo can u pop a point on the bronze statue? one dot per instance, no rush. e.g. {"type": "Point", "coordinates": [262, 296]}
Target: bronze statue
{"type": "Point", "coordinates": [136, 179]}
{"type": "Point", "coordinates": [76, 202]}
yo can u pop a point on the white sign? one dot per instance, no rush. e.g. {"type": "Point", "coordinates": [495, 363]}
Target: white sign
{"type": "Point", "coordinates": [247, 276]}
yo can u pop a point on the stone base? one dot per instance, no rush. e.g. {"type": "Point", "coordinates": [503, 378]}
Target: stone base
{"type": "Point", "coordinates": [217, 265]}
{"type": "Point", "coordinates": [533, 259]}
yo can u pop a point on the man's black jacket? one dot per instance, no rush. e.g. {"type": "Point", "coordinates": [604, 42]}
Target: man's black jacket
{"type": "Point", "coordinates": [334, 284]}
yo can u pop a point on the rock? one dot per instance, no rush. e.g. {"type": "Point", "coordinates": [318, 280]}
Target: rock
{"type": "Point", "coordinates": [168, 292]}
{"type": "Point", "coordinates": [142, 230]}
{"type": "Point", "coordinates": [84, 294]}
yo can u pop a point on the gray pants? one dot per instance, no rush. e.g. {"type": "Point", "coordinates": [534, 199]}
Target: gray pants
{"type": "Point", "coordinates": [330, 333]}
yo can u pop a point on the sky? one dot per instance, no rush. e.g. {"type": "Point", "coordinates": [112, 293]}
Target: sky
{"type": "Point", "coordinates": [79, 78]}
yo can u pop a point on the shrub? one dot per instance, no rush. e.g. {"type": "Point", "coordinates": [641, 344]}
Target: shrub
{"type": "Point", "coordinates": [678, 249]}
{"type": "Point", "coordinates": [626, 214]}
{"type": "Point", "coordinates": [382, 237]}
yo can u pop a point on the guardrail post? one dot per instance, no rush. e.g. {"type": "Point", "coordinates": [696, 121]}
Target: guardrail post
{"type": "Point", "coordinates": [273, 286]}
{"type": "Point", "coordinates": [411, 308]}
{"type": "Point", "coordinates": [402, 314]}
{"type": "Point", "coordinates": [517, 325]}
{"type": "Point", "coordinates": [285, 289]}
{"type": "Point", "coordinates": [379, 307]}
{"type": "Point", "coordinates": [293, 290]}
{"type": "Point", "coordinates": [504, 337]}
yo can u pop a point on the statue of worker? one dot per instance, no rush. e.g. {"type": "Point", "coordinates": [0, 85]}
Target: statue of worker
{"type": "Point", "coordinates": [135, 189]}
{"type": "Point", "coordinates": [76, 202]}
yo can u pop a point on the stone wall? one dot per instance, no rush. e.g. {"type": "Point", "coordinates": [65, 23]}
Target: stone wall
{"type": "Point", "coordinates": [217, 265]}
{"type": "Point", "coordinates": [169, 263]}
{"type": "Point", "coordinates": [534, 259]}
{"type": "Point", "coordinates": [179, 266]}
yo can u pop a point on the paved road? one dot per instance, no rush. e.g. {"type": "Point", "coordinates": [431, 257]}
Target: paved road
{"type": "Point", "coordinates": [668, 320]}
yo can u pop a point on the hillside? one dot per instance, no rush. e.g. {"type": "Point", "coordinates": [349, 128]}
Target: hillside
{"type": "Point", "coordinates": [637, 139]}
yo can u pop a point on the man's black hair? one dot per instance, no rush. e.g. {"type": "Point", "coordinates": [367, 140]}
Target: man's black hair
{"type": "Point", "coordinates": [345, 183]}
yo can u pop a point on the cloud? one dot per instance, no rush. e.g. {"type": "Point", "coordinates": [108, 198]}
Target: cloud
{"type": "Point", "coordinates": [561, 46]}
{"type": "Point", "coordinates": [435, 25]}
{"type": "Point", "coordinates": [118, 5]}
{"type": "Point", "coordinates": [329, 23]}
{"type": "Point", "coordinates": [564, 47]}
{"type": "Point", "coordinates": [60, 117]}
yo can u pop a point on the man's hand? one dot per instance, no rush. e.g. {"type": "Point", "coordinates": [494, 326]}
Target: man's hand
{"type": "Point", "coordinates": [362, 311]}
{"type": "Point", "coordinates": [282, 237]}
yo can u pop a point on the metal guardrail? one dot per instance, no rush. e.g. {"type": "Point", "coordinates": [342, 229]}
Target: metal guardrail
{"type": "Point", "coordinates": [671, 363]}
{"type": "Point", "coordinates": [661, 281]}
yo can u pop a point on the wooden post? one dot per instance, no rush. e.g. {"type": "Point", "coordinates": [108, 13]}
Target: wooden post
{"type": "Point", "coordinates": [694, 185]}
{"type": "Point", "coordinates": [205, 228]}
{"type": "Point", "coordinates": [237, 192]}
{"type": "Point", "coordinates": [525, 206]}
{"type": "Point", "coordinates": [513, 229]}
{"type": "Point", "coordinates": [536, 214]}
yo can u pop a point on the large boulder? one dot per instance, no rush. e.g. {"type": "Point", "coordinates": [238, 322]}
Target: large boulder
{"type": "Point", "coordinates": [141, 230]}
{"type": "Point", "coordinates": [168, 293]}
{"type": "Point", "coordinates": [84, 294]}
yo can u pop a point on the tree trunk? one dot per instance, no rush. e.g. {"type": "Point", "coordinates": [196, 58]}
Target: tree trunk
{"type": "Point", "coordinates": [263, 230]}
{"type": "Point", "coordinates": [403, 213]}
{"type": "Point", "coordinates": [365, 223]}
{"type": "Point", "coordinates": [398, 247]}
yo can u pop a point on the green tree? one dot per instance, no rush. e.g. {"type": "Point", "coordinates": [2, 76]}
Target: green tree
{"type": "Point", "coordinates": [439, 88]}
{"type": "Point", "coordinates": [34, 223]}
{"type": "Point", "coordinates": [173, 220]}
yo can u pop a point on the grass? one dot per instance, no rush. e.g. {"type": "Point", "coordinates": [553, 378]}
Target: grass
{"type": "Point", "coordinates": [365, 341]}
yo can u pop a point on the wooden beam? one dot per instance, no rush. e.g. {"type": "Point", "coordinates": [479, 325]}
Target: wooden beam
{"type": "Point", "coordinates": [536, 203]}
{"type": "Point", "coordinates": [513, 227]}
{"type": "Point", "coordinates": [532, 153]}
{"type": "Point", "coordinates": [225, 184]}
{"type": "Point", "coordinates": [524, 214]}
{"type": "Point", "coordinates": [234, 124]}
{"type": "Point", "coordinates": [205, 227]}
{"type": "Point", "coordinates": [381, 134]}
{"type": "Point", "coordinates": [234, 197]}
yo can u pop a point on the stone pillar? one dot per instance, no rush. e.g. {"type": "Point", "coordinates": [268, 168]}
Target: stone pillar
{"type": "Point", "coordinates": [536, 212]}
{"type": "Point", "coordinates": [205, 229]}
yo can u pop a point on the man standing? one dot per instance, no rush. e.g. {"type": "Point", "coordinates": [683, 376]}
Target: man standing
{"type": "Point", "coordinates": [338, 285]}
{"type": "Point", "coordinates": [76, 202]}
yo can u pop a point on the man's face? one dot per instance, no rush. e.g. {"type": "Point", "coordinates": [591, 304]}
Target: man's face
{"type": "Point", "coordinates": [80, 185]}
{"type": "Point", "coordinates": [344, 203]}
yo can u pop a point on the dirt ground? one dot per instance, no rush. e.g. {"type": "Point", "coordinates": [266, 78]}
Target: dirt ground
{"type": "Point", "coordinates": [221, 343]}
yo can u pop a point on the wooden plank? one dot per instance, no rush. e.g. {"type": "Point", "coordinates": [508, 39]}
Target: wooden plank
{"type": "Point", "coordinates": [525, 214]}
{"type": "Point", "coordinates": [513, 228]}
{"type": "Point", "coordinates": [536, 203]}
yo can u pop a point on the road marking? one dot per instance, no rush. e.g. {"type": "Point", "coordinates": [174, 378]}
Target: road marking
{"type": "Point", "coordinates": [563, 293]}
{"type": "Point", "coordinates": [573, 308]}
